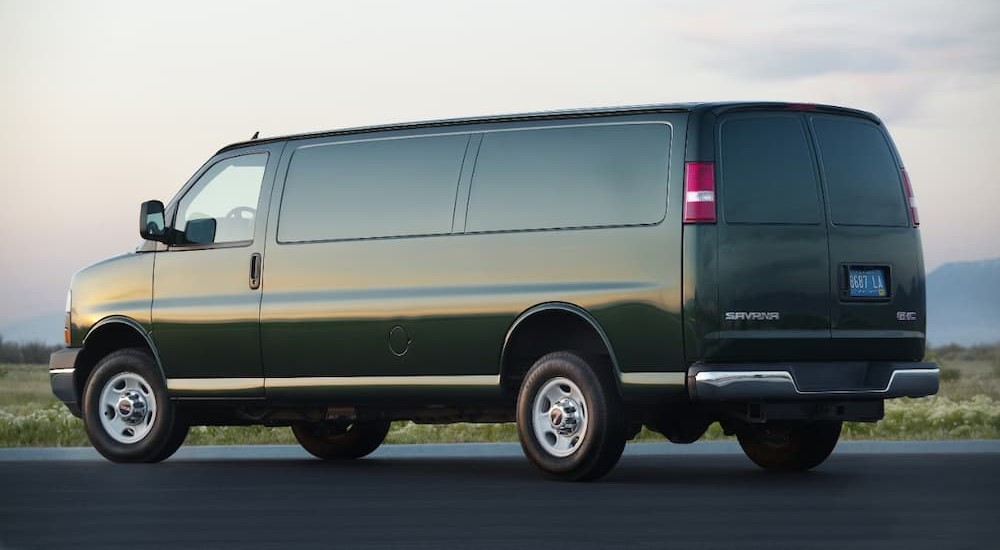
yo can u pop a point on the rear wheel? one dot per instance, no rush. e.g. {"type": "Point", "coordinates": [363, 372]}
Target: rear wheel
{"type": "Point", "coordinates": [127, 413]}
{"type": "Point", "coordinates": [789, 446]}
{"type": "Point", "coordinates": [331, 441]}
{"type": "Point", "coordinates": [570, 418]}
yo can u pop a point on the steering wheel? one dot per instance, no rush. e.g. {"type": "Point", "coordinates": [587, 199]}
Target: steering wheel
{"type": "Point", "coordinates": [240, 210]}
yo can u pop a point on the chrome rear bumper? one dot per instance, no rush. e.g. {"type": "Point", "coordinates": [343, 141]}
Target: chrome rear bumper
{"type": "Point", "coordinates": [709, 382]}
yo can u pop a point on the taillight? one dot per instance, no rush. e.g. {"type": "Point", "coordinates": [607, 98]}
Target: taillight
{"type": "Point", "coordinates": [910, 199]}
{"type": "Point", "coordinates": [699, 192]}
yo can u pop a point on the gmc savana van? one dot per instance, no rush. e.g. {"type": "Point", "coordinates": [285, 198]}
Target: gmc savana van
{"type": "Point", "coordinates": [584, 273]}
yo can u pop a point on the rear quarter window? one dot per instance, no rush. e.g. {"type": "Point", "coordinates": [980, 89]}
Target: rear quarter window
{"type": "Point", "coordinates": [767, 171]}
{"type": "Point", "coordinates": [582, 176]}
{"type": "Point", "coordinates": [862, 178]}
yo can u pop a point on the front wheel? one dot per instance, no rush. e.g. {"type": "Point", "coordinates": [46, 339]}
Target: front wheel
{"type": "Point", "coordinates": [789, 446]}
{"type": "Point", "coordinates": [331, 441]}
{"type": "Point", "coordinates": [127, 413]}
{"type": "Point", "coordinates": [570, 417]}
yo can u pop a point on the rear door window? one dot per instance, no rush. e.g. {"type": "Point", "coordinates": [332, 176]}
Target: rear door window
{"type": "Point", "coordinates": [862, 178]}
{"type": "Point", "coordinates": [768, 174]}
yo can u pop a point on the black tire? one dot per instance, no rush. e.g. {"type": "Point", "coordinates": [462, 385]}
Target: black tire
{"type": "Point", "coordinates": [165, 430]}
{"type": "Point", "coordinates": [789, 446]}
{"type": "Point", "coordinates": [601, 437]}
{"type": "Point", "coordinates": [332, 442]}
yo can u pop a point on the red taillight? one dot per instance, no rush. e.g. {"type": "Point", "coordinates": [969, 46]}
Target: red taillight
{"type": "Point", "coordinates": [910, 199]}
{"type": "Point", "coordinates": [699, 192]}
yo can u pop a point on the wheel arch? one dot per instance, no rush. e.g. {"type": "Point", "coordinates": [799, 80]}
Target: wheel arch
{"type": "Point", "coordinates": [548, 327]}
{"type": "Point", "coordinates": [108, 335]}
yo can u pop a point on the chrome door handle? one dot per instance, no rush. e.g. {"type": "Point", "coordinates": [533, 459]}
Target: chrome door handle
{"type": "Point", "coordinates": [255, 265]}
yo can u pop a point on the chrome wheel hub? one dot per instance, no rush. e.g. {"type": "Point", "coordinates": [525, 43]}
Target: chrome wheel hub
{"type": "Point", "coordinates": [128, 407]}
{"type": "Point", "coordinates": [559, 418]}
{"type": "Point", "coordinates": [563, 416]}
{"type": "Point", "coordinates": [132, 407]}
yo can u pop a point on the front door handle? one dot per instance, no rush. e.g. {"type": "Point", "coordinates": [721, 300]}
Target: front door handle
{"type": "Point", "coordinates": [255, 265]}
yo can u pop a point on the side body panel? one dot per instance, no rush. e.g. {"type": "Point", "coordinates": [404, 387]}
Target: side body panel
{"type": "Point", "coordinates": [331, 309]}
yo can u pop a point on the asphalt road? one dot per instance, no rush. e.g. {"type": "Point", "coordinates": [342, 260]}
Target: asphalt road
{"type": "Point", "coordinates": [916, 495]}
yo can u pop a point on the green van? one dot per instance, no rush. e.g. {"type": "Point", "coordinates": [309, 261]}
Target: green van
{"type": "Point", "coordinates": [583, 273]}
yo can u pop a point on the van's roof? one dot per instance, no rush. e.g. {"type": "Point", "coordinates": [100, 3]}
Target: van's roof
{"type": "Point", "coordinates": [714, 107]}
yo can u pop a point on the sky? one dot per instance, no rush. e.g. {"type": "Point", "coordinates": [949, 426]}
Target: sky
{"type": "Point", "coordinates": [105, 104]}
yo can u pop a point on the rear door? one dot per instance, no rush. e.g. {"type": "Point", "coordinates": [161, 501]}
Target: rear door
{"type": "Point", "coordinates": [876, 264]}
{"type": "Point", "coordinates": [773, 261]}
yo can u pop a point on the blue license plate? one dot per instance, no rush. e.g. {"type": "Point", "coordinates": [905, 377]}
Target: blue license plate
{"type": "Point", "coordinates": [867, 282]}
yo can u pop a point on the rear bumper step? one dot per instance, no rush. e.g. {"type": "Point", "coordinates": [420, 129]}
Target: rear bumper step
{"type": "Point", "coordinates": [811, 381]}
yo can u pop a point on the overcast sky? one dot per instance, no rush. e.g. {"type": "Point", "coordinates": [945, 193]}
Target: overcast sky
{"type": "Point", "coordinates": [106, 104]}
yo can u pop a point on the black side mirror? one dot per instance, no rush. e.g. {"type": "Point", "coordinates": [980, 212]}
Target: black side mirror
{"type": "Point", "coordinates": [152, 225]}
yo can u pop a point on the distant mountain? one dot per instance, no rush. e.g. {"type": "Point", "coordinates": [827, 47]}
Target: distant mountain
{"type": "Point", "coordinates": [47, 329]}
{"type": "Point", "coordinates": [963, 303]}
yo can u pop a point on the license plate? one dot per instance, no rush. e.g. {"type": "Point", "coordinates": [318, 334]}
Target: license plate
{"type": "Point", "coordinates": [867, 282]}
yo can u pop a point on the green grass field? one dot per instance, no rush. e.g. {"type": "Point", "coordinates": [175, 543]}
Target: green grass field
{"type": "Point", "coordinates": [968, 407]}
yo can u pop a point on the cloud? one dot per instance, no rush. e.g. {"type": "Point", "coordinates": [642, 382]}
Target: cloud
{"type": "Point", "coordinates": [891, 57]}
{"type": "Point", "coordinates": [794, 61]}
{"type": "Point", "coordinates": [790, 39]}
{"type": "Point", "coordinates": [975, 48]}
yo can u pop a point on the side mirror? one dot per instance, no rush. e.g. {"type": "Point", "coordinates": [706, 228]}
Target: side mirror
{"type": "Point", "coordinates": [152, 225]}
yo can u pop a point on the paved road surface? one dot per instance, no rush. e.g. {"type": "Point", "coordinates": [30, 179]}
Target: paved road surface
{"type": "Point", "coordinates": [707, 495]}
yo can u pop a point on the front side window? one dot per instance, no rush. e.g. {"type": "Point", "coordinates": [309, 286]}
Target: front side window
{"type": "Point", "coordinates": [222, 206]}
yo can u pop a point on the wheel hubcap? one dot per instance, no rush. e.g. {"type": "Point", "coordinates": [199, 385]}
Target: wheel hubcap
{"type": "Point", "coordinates": [564, 416]}
{"type": "Point", "coordinates": [132, 407]}
{"type": "Point", "coordinates": [560, 417]}
{"type": "Point", "coordinates": [128, 408]}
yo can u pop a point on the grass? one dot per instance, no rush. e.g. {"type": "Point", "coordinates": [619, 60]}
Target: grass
{"type": "Point", "coordinates": [24, 387]}
{"type": "Point", "coordinates": [967, 407]}
{"type": "Point", "coordinates": [964, 379]}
